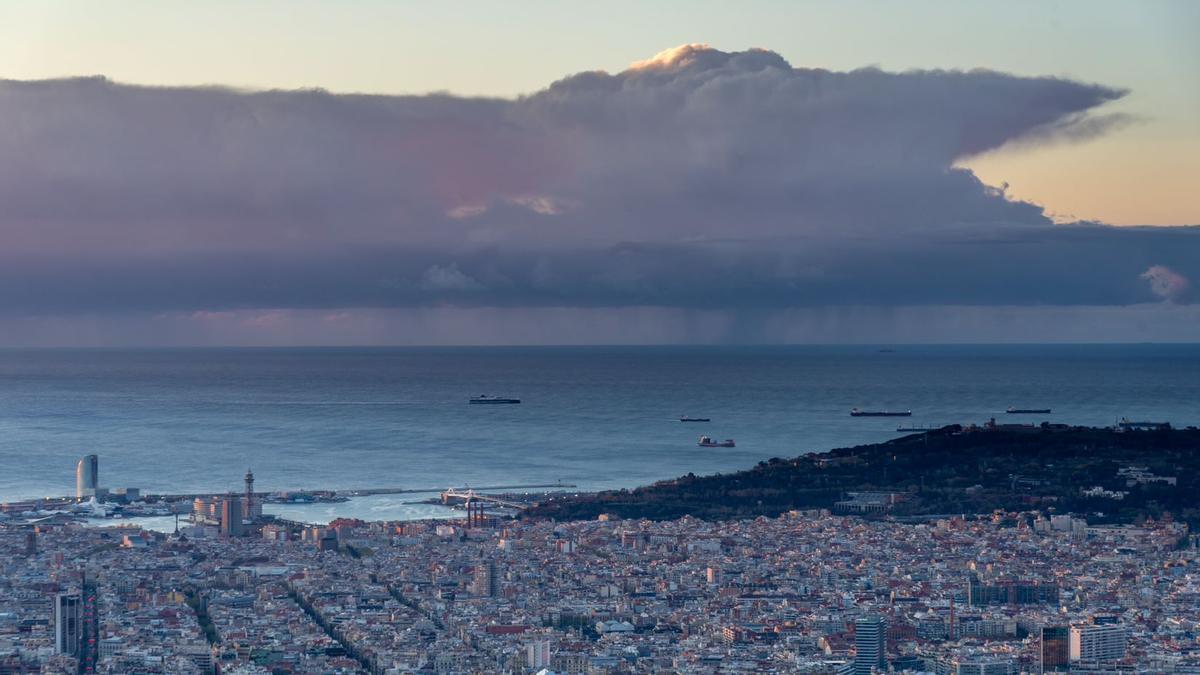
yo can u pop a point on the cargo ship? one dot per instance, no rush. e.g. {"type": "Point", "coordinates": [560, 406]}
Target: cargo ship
{"type": "Point", "coordinates": [1126, 424]}
{"type": "Point", "coordinates": [485, 399]}
{"type": "Point", "coordinates": [685, 418]}
{"type": "Point", "coordinates": [855, 412]}
{"type": "Point", "coordinates": [708, 442]}
{"type": "Point", "coordinates": [1027, 411]}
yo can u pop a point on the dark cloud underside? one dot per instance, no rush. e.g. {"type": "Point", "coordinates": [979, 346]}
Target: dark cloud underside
{"type": "Point", "coordinates": [700, 179]}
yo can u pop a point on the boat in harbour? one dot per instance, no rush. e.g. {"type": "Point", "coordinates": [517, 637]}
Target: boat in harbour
{"type": "Point", "coordinates": [486, 399]}
{"type": "Point", "coordinates": [855, 412]}
{"type": "Point", "coordinates": [685, 418]}
{"type": "Point", "coordinates": [1027, 411]}
{"type": "Point", "coordinates": [708, 442]}
{"type": "Point", "coordinates": [916, 428]}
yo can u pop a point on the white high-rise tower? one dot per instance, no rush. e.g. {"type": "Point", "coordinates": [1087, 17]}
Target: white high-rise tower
{"type": "Point", "coordinates": [87, 475]}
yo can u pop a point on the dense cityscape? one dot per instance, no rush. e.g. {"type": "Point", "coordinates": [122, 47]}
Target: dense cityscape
{"type": "Point", "coordinates": [234, 591]}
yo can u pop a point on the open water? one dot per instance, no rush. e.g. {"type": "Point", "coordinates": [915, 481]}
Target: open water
{"type": "Point", "coordinates": [193, 420]}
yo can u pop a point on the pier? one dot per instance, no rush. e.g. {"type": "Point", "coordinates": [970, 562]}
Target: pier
{"type": "Point", "coordinates": [399, 491]}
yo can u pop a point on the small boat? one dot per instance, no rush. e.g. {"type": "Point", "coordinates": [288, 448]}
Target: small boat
{"type": "Point", "coordinates": [855, 412]}
{"type": "Point", "coordinates": [708, 442]}
{"type": "Point", "coordinates": [1027, 411]}
{"type": "Point", "coordinates": [685, 418]}
{"type": "Point", "coordinates": [916, 428]}
{"type": "Point", "coordinates": [485, 399]}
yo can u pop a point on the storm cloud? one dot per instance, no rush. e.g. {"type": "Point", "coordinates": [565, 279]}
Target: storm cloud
{"type": "Point", "coordinates": [696, 179]}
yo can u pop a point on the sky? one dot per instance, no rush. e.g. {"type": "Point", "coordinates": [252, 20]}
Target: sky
{"type": "Point", "coordinates": [415, 173]}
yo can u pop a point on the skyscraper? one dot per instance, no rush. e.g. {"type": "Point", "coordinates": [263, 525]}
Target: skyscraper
{"type": "Point", "coordinates": [1055, 648]}
{"type": "Point", "coordinates": [66, 622]}
{"type": "Point", "coordinates": [870, 644]}
{"type": "Point", "coordinates": [88, 626]}
{"type": "Point", "coordinates": [231, 517]}
{"type": "Point", "coordinates": [87, 476]}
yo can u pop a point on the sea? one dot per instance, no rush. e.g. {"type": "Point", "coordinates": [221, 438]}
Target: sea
{"type": "Point", "coordinates": [194, 420]}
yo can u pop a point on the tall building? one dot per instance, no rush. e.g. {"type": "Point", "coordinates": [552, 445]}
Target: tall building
{"type": "Point", "coordinates": [537, 654]}
{"type": "Point", "coordinates": [206, 510]}
{"type": "Point", "coordinates": [327, 540]}
{"type": "Point", "coordinates": [870, 644]}
{"type": "Point", "coordinates": [1056, 653]}
{"type": "Point", "coordinates": [87, 476]}
{"type": "Point", "coordinates": [231, 517]}
{"type": "Point", "coordinates": [1098, 641]}
{"type": "Point", "coordinates": [487, 579]}
{"type": "Point", "coordinates": [713, 576]}
{"type": "Point", "coordinates": [89, 626]}
{"type": "Point", "coordinates": [67, 622]}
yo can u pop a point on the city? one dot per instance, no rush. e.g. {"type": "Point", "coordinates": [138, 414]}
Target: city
{"type": "Point", "coordinates": [233, 591]}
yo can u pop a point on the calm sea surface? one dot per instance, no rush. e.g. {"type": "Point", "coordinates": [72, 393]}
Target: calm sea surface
{"type": "Point", "coordinates": [194, 420]}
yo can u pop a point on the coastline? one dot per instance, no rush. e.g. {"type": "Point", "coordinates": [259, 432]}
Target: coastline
{"type": "Point", "coordinates": [370, 508]}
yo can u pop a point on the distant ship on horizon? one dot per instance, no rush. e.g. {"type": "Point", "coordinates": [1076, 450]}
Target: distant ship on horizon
{"type": "Point", "coordinates": [1027, 411]}
{"type": "Point", "coordinates": [686, 418]}
{"type": "Point", "coordinates": [1126, 424]}
{"type": "Point", "coordinates": [486, 399]}
{"type": "Point", "coordinates": [855, 412]}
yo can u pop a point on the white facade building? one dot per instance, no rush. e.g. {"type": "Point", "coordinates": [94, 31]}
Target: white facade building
{"type": "Point", "coordinates": [1098, 641]}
